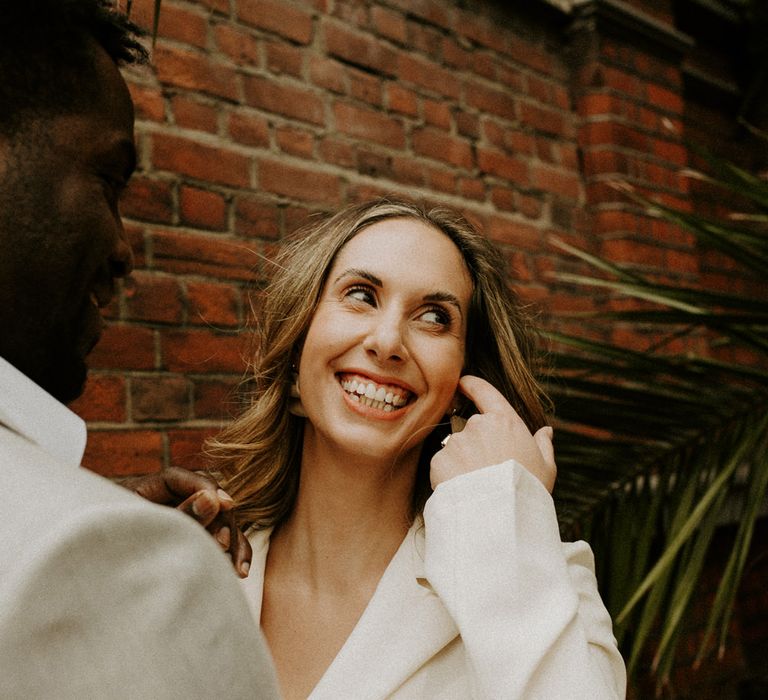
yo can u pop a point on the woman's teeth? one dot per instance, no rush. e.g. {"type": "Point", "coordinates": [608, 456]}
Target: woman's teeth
{"type": "Point", "coordinates": [380, 397]}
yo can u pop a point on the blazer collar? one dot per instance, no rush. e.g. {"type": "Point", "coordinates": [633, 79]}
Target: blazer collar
{"type": "Point", "coordinates": [403, 626]}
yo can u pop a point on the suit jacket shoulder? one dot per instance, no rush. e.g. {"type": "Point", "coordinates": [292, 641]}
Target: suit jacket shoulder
{"type": "Point", "coordinates": [105, 595]}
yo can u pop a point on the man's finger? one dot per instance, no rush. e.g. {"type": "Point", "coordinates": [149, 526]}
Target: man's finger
{"type": "Point", "coordinates": [202, 506]}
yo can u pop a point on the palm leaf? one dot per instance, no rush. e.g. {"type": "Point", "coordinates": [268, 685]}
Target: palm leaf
{"type": "Point", "coordinates": [654, 448]}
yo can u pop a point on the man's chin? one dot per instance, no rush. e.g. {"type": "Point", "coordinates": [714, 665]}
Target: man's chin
{"type": "Point", "coordinates": [66, 380]}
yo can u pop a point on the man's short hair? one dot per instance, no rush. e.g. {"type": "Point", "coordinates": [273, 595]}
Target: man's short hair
{"type": "Point", "coordinates": [46, 55]}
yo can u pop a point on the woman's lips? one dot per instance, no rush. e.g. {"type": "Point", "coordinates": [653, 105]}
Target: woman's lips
{"type": "Point", "coordinates": [384, 397]}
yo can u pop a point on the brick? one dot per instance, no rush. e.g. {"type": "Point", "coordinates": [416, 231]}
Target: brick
{"type": "Point", "coordinates": [664, 99]}
{"type": "Point", "coordinates": [200, 161]}
{"type": "Point", "coordinates": [680, 261]}
{"type": "Point", "coordinates": [440, 146]}
{"type": "Point", "coordinates": [491, 101]}
{"type": "Point", "coordinates": [467, 125]}
{"type": "Point", "coordinates": [337, 152]}
{"type": "Point", "coordinates": [249, 128]}
{"type": "Point", "coordinates": [256, 218]}
{"type": "Point", "coordinates": [630, 251]}
{"type": "Point", "coordinates": [454, 55]}
{"type": "Point", "coordinates": [295, 142]}
{"type": "Point", "coordinates": [510, 231]}
{"type": "Point", "coordinates": [530, 205]}
{"type": "Point", "coordinates": [215, 399]}
{"type": "Point", "coordinates": [389, 24]}
{"type": "Point", "coordinates": [472, 188]}
{"type": "Point", "coordinates": [502, 165]}
{"type": "Point", "coordinates": [239, 45]}
{"type": "Point", "coordinates": [213, 304]}
{"type": "Point", "coordinates": [441, 180]}
{"type": "Point", "coordinates": [508, 139]}
{"type": "Point", "coordinates": [147, 102]}
{"type": "Point", "coordinates": [120, 453]}
{"type": "Point", "coordinates": [564, 183]}
{"type": "Point", "coordinates": [542, 119]}
{"type": "Point", "coordinates": [365, 87]}
{"type": "Point", "coordinates": [124, 347]}
{"type": "Point", "coordinates": [153, 298]}
{"type": "Point", "coordinates": [103, 399]}
{"type": "Point", "coordinates": [202, 208]}
{"type": "Point", "coordinates": [284, 59]}
{"type": "Point", "coordinates": [185, 447]}
{"type": "Point", "coordinates": [437, 114]}
{"type": "Point", "coordinates": [504, 198]}
{"type": "Point", "coordinates": [194, 71]}
{"type": "Point", "coordinates": [193, 114]}
{"type": "Point", "coordinates": [401, 100]}
{"type": "Point", "coordinates": [286, 100]}
{"type": "Point", "coordinates": [147, 199]}
{"type": "Point", "coordinates": [427, 74]}
{"type": "Point", "coordinates": [432, 11]}
{"type": "Point", "coordinates": [199, 254]}
{"type": "Point", "coordinates": [182, 25]}
{"type": "Point", "coordinates": [426, 40]}
{"type": "Point", "coordinates": [373, 164]}
{"type": "Point", "coordinates": [359, 49]}
{"type": "Point", "coordinates": [160, 398]}
{"type": "Point", "coordinates": [327, 74]}
{"type": "Point", "coordinates": [299, 183]}
{"type": "Point", "coordinates": [199, 351]}
{"type": "Point", "coordinates": [408, 171]}
{"type": "Point", "coordinates": [597, 104]}
{"type": "Point", "coordinates": [369, 125]}
{"type": "Point", "coordinates": [273, 16]}
{"type": "Point", "coordinates": [671, 152]}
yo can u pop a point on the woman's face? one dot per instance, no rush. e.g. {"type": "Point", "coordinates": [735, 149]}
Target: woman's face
{"type": "Point", "coordinates": [385, 348]}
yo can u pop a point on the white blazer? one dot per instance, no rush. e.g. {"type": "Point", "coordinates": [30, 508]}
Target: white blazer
{"type": "Point", "coordinates": [481, 600]}
{"type": "Point", "coordinates": [102, 594]}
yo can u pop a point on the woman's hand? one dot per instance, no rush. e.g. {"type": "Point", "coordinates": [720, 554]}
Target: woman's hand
{"type": "Point", "coordinates": [199, 496]}
{"type": "Point", "coordinates": [494, 435]}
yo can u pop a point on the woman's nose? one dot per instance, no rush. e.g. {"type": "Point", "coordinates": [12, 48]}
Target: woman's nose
{"type": "Point", "coordinates": [385, 339]}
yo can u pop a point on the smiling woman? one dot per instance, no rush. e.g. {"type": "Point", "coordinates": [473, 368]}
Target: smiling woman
{"type": "Point", "coordinates": [389, 563]}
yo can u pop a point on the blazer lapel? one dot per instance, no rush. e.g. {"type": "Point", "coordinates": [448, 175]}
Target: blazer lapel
{"type": "Point", "coordinates": [404, 625]}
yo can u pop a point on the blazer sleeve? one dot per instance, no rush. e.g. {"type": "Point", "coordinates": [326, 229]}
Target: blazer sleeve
{"type": "Point", "coordinates": [127, 600]}
{"type": "Point", "coordinates": [526, 605]}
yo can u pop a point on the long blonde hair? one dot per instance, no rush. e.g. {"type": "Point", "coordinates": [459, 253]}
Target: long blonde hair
{"type": "Point", "coordinates": [259, 453]}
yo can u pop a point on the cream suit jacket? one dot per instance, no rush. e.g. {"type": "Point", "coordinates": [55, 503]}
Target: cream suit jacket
{"type": "Point", "coordinates": [103, 595]}
{"type": "Point", "coordinates": [482, 600]}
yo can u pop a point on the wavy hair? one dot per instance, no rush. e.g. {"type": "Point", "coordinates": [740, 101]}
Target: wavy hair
{"type": "Point", "coordinates": [259, 453]}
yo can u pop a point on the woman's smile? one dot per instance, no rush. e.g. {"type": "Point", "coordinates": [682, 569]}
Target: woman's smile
{"type": "Point", "coordinates": [365, 392]}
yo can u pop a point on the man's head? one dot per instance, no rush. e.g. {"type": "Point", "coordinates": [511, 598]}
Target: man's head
{"type": "Point", "coordinates": [66, 152]}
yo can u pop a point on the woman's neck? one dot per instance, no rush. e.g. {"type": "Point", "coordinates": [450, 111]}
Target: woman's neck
{"type": "Point", "coordinates": [350, 516]}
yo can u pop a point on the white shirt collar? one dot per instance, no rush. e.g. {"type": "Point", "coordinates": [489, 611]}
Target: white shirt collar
{"type": "Point", "coordinates": [29, 410]}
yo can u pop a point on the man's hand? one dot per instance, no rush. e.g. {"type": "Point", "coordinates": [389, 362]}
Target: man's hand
{"type": "Point", "coordinates": [198, 495]}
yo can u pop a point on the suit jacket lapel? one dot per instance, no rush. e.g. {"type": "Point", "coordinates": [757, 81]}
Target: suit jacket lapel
{"type": "Point", "coordinates": [404, 625]}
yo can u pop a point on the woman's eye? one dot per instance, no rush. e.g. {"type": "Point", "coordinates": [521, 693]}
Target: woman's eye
{"type": "Point", "coordinates": [361, 294]}
{"type": "Point", "coordinates": [438, 317]}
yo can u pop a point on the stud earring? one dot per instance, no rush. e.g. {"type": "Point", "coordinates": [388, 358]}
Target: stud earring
{"type": "Point", "coordinates": [295, 406]}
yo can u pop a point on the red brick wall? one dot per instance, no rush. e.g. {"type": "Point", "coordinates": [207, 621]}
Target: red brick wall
{"type": "Point", "coordinates": [256, 113]}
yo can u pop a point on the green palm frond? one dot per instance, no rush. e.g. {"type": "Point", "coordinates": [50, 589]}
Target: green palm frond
{"type": "Point", "coordinates": [656, 450]}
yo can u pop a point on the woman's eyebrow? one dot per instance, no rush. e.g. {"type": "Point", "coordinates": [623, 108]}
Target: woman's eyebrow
{"type": "Point", "coordinates": [445, 297]}
{"type": "Point", "coordinates": [357, 272]}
